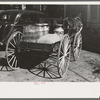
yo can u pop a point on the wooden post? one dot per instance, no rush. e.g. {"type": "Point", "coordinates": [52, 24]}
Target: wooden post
{"type": "Point", "coordinates": [23, 7]}
{"type": "Point", "coordinates": [64, 11]}
{"type": "Point", "coordinates": [88, 14]}
{"type": "Point", "coordinates": [40, 8]}
{"type": "Point", "coordinates": [98, 12]}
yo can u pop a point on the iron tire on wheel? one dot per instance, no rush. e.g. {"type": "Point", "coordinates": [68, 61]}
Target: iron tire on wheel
{"type": "Point", "coordinates": [77, 46]}
{"type": "Point", "coordinates": [64, 55]}
{"type": "Point", "coordinates": [12, 48]}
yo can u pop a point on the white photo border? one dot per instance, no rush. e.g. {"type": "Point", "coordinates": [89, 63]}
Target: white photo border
{"type": "Point", "coordinates": [50, 89]}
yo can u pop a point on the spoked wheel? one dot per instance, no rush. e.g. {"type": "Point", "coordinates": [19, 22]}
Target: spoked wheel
{"type": "Point", "coordinates": [12, 50]}
{"type": "Point", "coordinates": [77, 46]}
{"type": "Point", "coordinates": [57, 63]}
{"type": "Point", "coordinates": [48, 68]}
{"type": "Point", "coordinates": [64, 55]}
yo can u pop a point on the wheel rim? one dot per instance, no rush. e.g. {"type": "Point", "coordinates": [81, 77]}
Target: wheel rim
{"type": "Point", "coordinates": [64, 55]}
{"type": "Point", "coordinates": [12, 50]}
{"type": "Point", "coordinates": [77, 46]}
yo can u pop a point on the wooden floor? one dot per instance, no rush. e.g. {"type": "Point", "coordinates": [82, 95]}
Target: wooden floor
{"type": "Point", "coordinates": [85, 69]}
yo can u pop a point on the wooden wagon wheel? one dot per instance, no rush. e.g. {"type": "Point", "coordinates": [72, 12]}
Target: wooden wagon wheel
{"type": "Point", "coordinates": [77, 46]}
{"type": "Point", "coordinates": [64, 55]}
{"type": "Point", "coordinates": [48, 68]}
{"type": "Point", "coordinates": [12, 49]}
{"type": "Point", "coordinates": [57, 63]}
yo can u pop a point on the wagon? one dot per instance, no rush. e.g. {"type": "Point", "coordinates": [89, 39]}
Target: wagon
{"type": "Point", "coordinates": [56, 44]}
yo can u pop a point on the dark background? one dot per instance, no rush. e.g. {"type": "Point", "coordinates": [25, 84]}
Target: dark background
{"type": "Point", "coordinates": [90, 15]}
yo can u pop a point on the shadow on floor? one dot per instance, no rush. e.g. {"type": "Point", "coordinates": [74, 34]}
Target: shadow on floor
{"type": "Point", "coordinates": [32, 62]}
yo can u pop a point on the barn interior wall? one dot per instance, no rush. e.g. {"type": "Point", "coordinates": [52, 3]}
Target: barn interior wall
{"type": "Point", "coordinates": [90, 14]}
{"type": "Point", "coordinates": [93, 16]}
{"type": "Point", "coordinates": [76, 9]}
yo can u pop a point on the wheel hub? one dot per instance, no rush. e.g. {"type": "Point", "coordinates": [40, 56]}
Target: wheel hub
{"type": "Point", "coordinates": [45, 69]}
{"type": "Point", "coordinates": [18, 50]}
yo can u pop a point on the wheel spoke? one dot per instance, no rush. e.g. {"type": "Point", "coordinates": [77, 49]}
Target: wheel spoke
{"type": "Point", "coordinates": [40, 72]}
{"type": "Point", "coordinates": [68, 47]}
{"type": "Point", "coordinates": [36, 70]}
{"type": "Point", "coordinates": [80, 38]}
{"type": "Point", "coordinates": [51, 66]}
{"type": "Point", "coordinates": [53, 56]}
{"type": "Point", "coordinates": [67, 53]}
{"type": "Point", "coordinates": [75, 49]}
{"type": "Point", "coordinates": [10, 49]}
{"type": "Point", "coordinates": [54, 70]}
{"type": "Point", "coordinates": [67, 57]}
{"type": "Point", "coordinates": [44, 64]}
{"type": "Point", "coordinates": [11, 59]}
{"type": "Point", "coordinates": [61, 52]}
{"type": "Point", "coordinates": [61, 63]}
{"type": "Point", "coordinates": [40, 66]}
{"type": "Point", "coordinates": [49, 74]}
{"type": "Point", "coordinates": [76, 53]}
{"type": "Point", "coordinates": [44, 74]}
{"type": "Point", "coordinates": [14, 40]}
{"type": "Point", "coordinates": [65, 47]}
{"type": "Point", "coordinates": [53, 59]}
{"type": "Point", "coordinates": [66, 64]}
{"type": "Point", "coordinates": [18, 38]}
{"type": "Point", "coordinates": [52, 73]}
{"type": "Point", "coordinates": [15, 63]}
{"type": "Point", "coordinates": [12, 45]}
{"type": "Point", "coordinates": [61, 57]}
{"type": "Point", "coordinates": [79, 43]}
{"type": "Point", "coordinates": [10, 54]}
